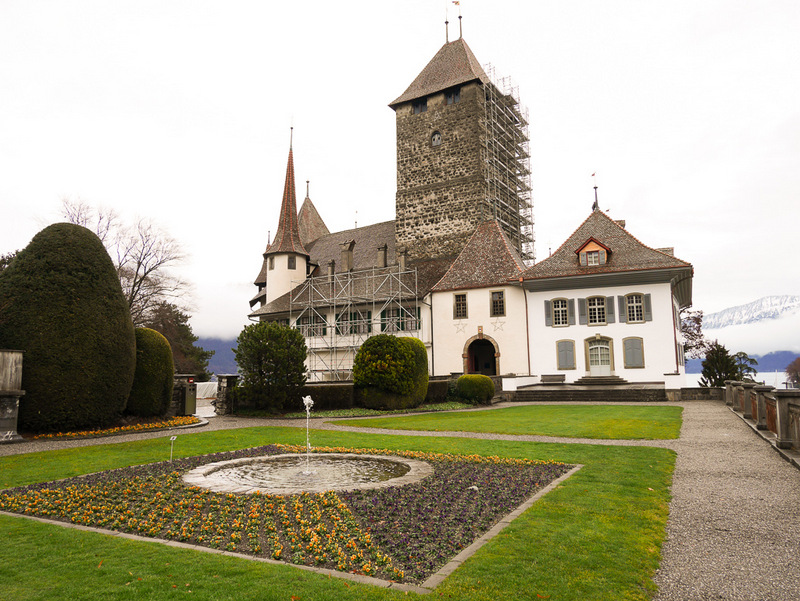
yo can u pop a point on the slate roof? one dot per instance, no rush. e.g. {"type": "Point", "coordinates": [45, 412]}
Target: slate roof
{"type": "Point", "coordinates": [453, 65]}
{"type": "Point", "coordinates": [365, 252]}
{"type": "Point", "coordinates": [488, 259]}
{"type": "Point", "coordinates": [309, 223]}
{"type": "Point", "coordinates": [287, 238]}
{"type": "Point", "coordinates": [627, 253]}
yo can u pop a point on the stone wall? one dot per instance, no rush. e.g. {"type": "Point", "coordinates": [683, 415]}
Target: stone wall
{"type": "Point", "coordinates": [441, 189]}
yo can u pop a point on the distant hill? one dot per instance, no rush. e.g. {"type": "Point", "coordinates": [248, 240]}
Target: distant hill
{"type": "Point", "coordinates": [769, 363]}
{"type": "Point", "coordinates": [222, 362]}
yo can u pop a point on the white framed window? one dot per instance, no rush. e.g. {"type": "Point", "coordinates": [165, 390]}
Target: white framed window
{"type": "Point", "coordinates": [596, 307]}
{"type": "Point", "coordinates": [634, 308]}
{"type": "Point", "coordinates": [593, 257]}
{"type": "Point", "coordinates": [560, 313]}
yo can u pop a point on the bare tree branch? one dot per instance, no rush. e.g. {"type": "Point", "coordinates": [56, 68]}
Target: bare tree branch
{"type": "Point", "coordinates": [143, 255]}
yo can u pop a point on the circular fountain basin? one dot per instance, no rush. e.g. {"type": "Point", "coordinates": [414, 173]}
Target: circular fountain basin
{"type": "Point", "coordinates": [288, 474]}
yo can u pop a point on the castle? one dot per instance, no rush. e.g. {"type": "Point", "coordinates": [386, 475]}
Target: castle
{"type": "Point", "coordinates": [456, 267]}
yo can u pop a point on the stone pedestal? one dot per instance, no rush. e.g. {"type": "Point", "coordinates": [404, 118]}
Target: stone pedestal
{"type": "Point", "coordinates": [747, 403]}
{"type": "Point", "coordinates": [738, 395]}
{"type": "Point", "coordinates": [760, 416]}
{"type": "Point", "coordinates": [729, 393]}
{"type": "Point", "coordinates": [10, 393]}
{"type": "Point", "coordinates": [225, 385]}
{"type": "Point", "coordinates": [788, 405]}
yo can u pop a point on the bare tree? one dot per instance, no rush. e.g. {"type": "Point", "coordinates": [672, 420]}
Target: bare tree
{"type": "Point", "coordinates": [142, 253]}
{"type": "Point", "coordinates": [695, 344]}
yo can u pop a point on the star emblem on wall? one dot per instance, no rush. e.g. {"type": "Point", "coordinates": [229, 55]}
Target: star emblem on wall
{"type": "Point", "coordinates": [461, 327]}
{"type": "Point", "coordinates": [498, 325]}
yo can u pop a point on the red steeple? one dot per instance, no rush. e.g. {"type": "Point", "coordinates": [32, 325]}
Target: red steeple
{"type": "Point", "coordinates": [287, 238]}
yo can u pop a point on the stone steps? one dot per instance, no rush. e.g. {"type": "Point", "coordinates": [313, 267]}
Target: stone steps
{"type": "Point", "coordinates": [590, 394]}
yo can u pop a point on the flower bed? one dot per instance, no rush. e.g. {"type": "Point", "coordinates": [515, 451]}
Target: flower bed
{"type": "Point", "coordinates": [140, 425]}
{"type": "Point", "coordinates": [399, 533]}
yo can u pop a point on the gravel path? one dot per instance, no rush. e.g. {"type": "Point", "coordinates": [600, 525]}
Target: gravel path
{"type": "Point", "coordinates": [734, 525]}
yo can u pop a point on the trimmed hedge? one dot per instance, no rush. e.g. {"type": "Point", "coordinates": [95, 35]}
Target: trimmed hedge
{"type": "Point", "coordinates": [475, 388]}
{"type": "Point", "coordinates": [153, 379]}
{"type": "Point", "coordinates": [61, 302]}
{"type": "Point", "coordinates": [390, 372]}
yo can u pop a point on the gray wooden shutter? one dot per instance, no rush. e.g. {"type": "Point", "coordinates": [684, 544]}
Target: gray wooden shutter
{"type": "Point", "coordinates": [582, 311]}
{"type": "Point", "coordinates": [648, 310]}
{"type": "Point", "coordinates": [602, 257]}
{"type": "Point", "coordinates": [609, 309]}
{"type": "Point", "coordinates": [566, 354]}
{"type": "Point", "coordinates": [548, 318]}
{"type": "Point", "coordinates": [634, 352]}
{"type": "Point", "coordinates": [623, 309]}
{"type": "Point", "coordinates": [583, 259]}
{"type": "Point", "coordinates": [571, 311]}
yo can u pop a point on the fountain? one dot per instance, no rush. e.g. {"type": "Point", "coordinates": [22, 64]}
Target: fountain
{"type": "Point", "coordinates": [291, 473]}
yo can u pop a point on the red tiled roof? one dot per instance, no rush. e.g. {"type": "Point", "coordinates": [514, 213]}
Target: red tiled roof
{"type": "Point", "coordinates": [453, 65]}
{"type": "Point", "coordinates": [488, 259]}
{"type": "Point", "coordinates": [310, 224]}
{"type": "Point", "coordinates": [627, 253]}
{"type": "Point", "coordinates": [287, 238]}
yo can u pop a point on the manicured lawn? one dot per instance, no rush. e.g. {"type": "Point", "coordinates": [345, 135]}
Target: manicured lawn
{"type": "Point", "coordinates": [577, 421]}
{"type": "Point", "coordinates": [597, 536]}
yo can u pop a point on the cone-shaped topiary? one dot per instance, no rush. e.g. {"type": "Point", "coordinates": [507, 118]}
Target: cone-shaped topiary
{"type": "Point", "coordinates": [390, 372]}
{"type": "Point", "coordinates": [61, 302]}
{"type": "Point", "coordinates": [475, 388]}
{"type": "Point", "coordinates": [153, 380]}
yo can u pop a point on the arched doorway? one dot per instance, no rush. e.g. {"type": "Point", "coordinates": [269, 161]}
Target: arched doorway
{"type": "Point", "coordinates": [481, 358]}
{"type": "Point", "coordinates": [600, 357]}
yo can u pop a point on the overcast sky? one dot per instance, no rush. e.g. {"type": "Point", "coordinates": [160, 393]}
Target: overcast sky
{"type": "Point", "coordinates": [689, 113]}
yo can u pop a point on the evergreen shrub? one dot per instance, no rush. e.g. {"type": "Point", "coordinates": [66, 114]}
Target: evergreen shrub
{"type": "Point", "coordinates": [390, 372]}
{"type": "Point", "coordinates": [153, 380]}
{"type": "Point", "coordinates": [475, 388]}
{"type": "Point", "coordinates": [62, 303]}
{"type": "Point", "coordinates": [271, 359]}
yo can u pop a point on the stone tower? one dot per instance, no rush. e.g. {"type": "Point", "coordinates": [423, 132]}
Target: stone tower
{"type": "Point", "coordinates": [461, 158]}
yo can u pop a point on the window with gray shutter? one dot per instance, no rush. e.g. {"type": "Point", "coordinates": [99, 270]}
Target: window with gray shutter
{"type": "Point", "coordinates": [634, 352]}
{"type": "Point", "coordinates": [648, 311]}
{"type": "Point", "coordinates": [610, 309]}
{"type": "Point", "coordinates": [571, 312]}
{"type": "Point", "coordinates": [548, 320]}
{"type": "Point", "coordinates": [566, 354]}
{"type": "Point", "coordinates": [582, 311]}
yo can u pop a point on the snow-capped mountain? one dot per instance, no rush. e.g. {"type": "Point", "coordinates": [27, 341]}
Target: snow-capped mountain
{"type": "Point", "coordinates": [768, 307]}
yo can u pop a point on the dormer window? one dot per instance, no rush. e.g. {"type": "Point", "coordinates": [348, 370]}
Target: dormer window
{"type": "Point", "coordinates": [593, 253]}
{"type": "Point", "coordinates": [453, 96]}
{"type": "Point", "coordinates": [420, 106]}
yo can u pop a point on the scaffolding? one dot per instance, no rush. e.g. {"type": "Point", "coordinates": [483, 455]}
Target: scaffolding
{"type": "Point", "coordinates": [507, 163]}
{"type": "Point", "coordinates": [337, 312]}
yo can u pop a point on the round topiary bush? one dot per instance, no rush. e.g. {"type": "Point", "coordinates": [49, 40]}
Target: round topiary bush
{"type": "Point", "coordinates": [153, 379]}
{"type": "Point", "coordinates": [390, 372]}
{"type": "Point", "coordinates": [61, 302]}
{"type": "Point", "coordinates": [475, 388]}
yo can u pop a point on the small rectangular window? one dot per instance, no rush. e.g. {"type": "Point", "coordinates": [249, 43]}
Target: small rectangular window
{"type": "Point", "coordinates": [272, 262]}
{"type": "Point", "coordinates": [560, 314]}
{"type": "Point", "coordinates": [420, 106]}
{"type": "Point", "coordinates": [498, 307]}
{"type": "Point", "coordinates": [453, 96]}
{"type": "Point", "coordinates": [292, 262]}
{"type": "Point", "coordinates": [635, 308]}
{"type": "Point", "coordinates": [597, 310]}
{"type": "Point", "coordinates": [460, 306]}
{"type": "Point", "coordinates": [593, 257]}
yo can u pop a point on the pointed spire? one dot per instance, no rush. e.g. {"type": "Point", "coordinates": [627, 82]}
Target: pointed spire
{"type": "Point", "coordinates": [287, 238]}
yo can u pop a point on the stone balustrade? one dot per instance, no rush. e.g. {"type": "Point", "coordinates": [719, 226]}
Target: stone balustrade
{"type": "Point", "coordinates": [776, 411]}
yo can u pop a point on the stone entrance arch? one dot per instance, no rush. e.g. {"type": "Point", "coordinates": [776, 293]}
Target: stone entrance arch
{"type": "Point", "coordinates": [481, 356]}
